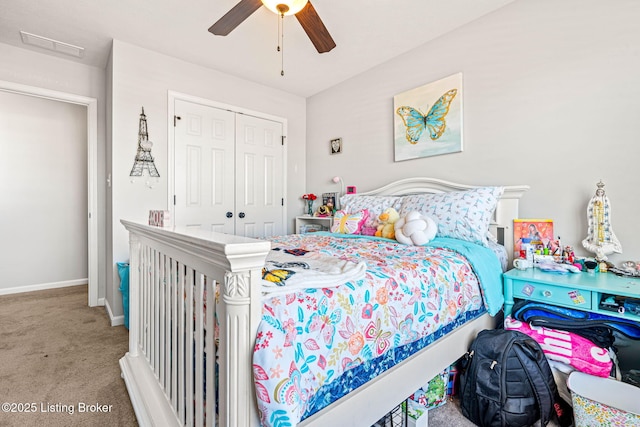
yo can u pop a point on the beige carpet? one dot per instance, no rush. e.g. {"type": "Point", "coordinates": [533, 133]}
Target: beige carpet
{"type": "Point", "coordinates": [59, 361]}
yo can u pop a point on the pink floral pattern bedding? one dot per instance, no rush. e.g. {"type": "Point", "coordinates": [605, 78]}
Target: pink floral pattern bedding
{"type": "Point", "coordinates": [308, 340]}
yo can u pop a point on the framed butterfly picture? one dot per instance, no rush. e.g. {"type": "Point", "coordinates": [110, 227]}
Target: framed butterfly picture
{"type": "Point", "coordinates": [428, 119]}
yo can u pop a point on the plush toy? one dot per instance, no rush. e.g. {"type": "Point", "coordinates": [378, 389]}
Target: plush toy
{"type": "Point", "coordinates": [386, 220]}
{"type": "Point", "coordinates": [415, 229]}
{"type": "Point", "coordinates": [323, 210]}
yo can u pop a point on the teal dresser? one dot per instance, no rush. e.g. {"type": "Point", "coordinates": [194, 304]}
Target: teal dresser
{"type": "Point", "coordinates": [583, 291]}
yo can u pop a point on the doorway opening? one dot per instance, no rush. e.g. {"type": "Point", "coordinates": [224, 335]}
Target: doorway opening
{"type": "Point", "coordinates": [91, 105]}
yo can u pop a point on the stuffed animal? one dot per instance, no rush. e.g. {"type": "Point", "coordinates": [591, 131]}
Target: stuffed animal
{"type": "Point", "coordinates": [415, 229]}
{"type": "Point", "coordinates": [323, 210]}
{"type": "Point", "coordinates": [386, 221]}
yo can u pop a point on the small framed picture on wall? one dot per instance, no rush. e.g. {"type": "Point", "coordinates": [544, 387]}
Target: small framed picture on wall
{"type": "Point", "coordinates": [336, 146]}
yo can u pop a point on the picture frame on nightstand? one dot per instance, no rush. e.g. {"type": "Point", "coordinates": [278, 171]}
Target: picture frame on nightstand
{"type": "Point", "coordinates": [331, 199]}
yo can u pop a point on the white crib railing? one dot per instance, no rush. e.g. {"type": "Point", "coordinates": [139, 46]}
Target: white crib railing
{"type": "Point", "coordinates": [169, 368]}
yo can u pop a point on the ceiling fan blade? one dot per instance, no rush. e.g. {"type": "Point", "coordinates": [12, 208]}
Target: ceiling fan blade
{"type": "Point", "coordinates": [234, 17]}
{"type": "Point", "coordinates": [315, 29]}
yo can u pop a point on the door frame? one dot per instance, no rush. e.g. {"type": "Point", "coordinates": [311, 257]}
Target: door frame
{"type": "Point", "coordinates": [172, 96]}
{"type": "Point", "coordinates": [91, 105]}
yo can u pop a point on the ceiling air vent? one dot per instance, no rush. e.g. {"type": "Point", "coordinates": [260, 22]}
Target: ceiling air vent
{"type": "Point", "coordinates": [50, 44]}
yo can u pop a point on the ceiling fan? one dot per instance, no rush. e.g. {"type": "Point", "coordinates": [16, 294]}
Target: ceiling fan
{"type": "Point", "coordinates": [302, 9]}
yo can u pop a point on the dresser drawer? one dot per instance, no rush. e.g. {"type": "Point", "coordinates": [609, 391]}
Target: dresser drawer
{"type": "Point", "coordinates": [558, 295]}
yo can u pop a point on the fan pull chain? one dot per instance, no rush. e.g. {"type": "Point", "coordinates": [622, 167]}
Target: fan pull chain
{"type": "Point", "coordinates": [281, 34]}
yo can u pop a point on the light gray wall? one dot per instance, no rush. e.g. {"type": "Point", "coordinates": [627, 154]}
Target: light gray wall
{"type": "Point", "coordinates": [27, 67]}
{"type": "Point", "coordinates": [551, 99]}
{"type": "Point", "coordinates": [43, 210]}
{"type": "Point", "coordinates": [141, 77]}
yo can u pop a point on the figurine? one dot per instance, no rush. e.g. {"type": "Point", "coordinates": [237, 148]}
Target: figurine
{"type": "Point", "coordinates": [568, 255]}
{"type": "Point", "coordinates": [600, 239]}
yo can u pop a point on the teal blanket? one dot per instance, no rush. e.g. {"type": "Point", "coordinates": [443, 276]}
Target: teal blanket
{"type": "Point", "coordinates": [485, 264]}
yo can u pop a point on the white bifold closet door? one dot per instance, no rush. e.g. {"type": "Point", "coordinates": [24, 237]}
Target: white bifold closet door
{"type": "Point", "coordinates": [228, 171]}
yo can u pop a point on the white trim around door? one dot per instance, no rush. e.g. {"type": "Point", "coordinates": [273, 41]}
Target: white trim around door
{"type": "Point", "coordinates": [92, 170]}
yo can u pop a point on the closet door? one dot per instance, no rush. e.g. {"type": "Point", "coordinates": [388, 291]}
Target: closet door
{"type": "Point", "coordinates": [204, 167]}
{"type": "Point", "coordinates": [229, 171]}
{"type": "Point", "coordinates": [259, 177]}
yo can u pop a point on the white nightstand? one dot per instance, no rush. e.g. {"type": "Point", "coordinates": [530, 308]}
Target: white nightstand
{"type": "Point", "coordinates": [306, 224]}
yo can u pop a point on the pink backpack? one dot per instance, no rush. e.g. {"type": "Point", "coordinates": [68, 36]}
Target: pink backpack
{"type": "Point", "coordinates": [566, 347]}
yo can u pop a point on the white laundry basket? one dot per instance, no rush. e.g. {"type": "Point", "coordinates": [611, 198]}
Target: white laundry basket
{"type": "Point", "coordinates": [603, 401]}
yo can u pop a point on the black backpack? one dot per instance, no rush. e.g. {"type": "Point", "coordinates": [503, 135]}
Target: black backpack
{"type": "Point", "coordinates": [506, 380]}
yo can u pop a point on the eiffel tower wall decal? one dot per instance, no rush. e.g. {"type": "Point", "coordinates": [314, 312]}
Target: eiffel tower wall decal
{"type": "Point", "coordinates": [144, 159]}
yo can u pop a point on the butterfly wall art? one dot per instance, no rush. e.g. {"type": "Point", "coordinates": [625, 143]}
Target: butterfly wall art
{"type": "Point", "coordinates": [428, 119]}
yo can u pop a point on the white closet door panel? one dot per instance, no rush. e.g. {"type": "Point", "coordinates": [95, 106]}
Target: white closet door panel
{"type": "Point", "coordinates": [204, 167]}
{"type": "Point", "coordinates": [220, 180]}
{"type": "Point", "coordinates": [259, 166]}
{"type": "Point", "coordinates": [194, 173]}
{"type": "Point", "coordinates": [248, 180]}
{"type": "Point", "coordinates": [269, 229]}
{"type": "Point", "coordinates": [269, 176]}
{"type": "Point", "coordinates": [249, 229]}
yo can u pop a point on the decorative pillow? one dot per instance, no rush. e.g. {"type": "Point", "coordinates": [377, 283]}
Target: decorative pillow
{"type": "Point", "coordinates": [464, 215]}
{"type": "Point", "coordinates": [346, 223]}
{"type": "Point", "coordinates": [415, 229]}
{"type": "Point", "coordinates": [374, 204]}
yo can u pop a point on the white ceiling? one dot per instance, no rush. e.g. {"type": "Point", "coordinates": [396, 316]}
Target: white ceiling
{"type": "Point", "coordinates": [367, 33]}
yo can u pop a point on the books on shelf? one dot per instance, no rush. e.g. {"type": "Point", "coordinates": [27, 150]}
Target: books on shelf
{"type": "Point", "coordinates": [312, 228]}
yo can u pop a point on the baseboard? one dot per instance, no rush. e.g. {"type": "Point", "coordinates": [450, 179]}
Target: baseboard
{"type": "Point", "coordinates": [44, 286]}
{"type": "Point", "coordinates": [115, 320]}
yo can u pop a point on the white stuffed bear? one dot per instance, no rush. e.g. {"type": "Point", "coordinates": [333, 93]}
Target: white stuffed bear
{"type": "Point", "coordinates": [415, 229]}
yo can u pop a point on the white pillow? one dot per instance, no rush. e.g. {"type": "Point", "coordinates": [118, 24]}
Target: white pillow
{"type": "Point", "coordinates": [415, 229]}
{"type": "Point", "coordinates": [464, 215]}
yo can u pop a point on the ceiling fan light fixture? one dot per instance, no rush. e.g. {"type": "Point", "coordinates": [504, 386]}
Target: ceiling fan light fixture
{"type": "Point", "coordinates": [285, 7]}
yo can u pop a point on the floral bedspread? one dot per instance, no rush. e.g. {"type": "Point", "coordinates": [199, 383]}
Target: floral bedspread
{"type": "Point", "coordinates": [311, 341]}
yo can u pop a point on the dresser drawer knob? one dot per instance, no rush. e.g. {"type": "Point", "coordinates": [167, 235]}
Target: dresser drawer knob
{"type": "Point", "coordinates": [546, 293]}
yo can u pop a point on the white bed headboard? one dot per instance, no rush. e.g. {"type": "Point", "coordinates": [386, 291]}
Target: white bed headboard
{"type": "Point", "coordinates": [506, 211]}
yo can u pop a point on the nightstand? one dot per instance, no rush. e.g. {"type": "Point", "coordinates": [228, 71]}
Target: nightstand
{"type": "Point", "coordinates": [307, 224]}
{"type": "Point", "coordinates": [582, 291]}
